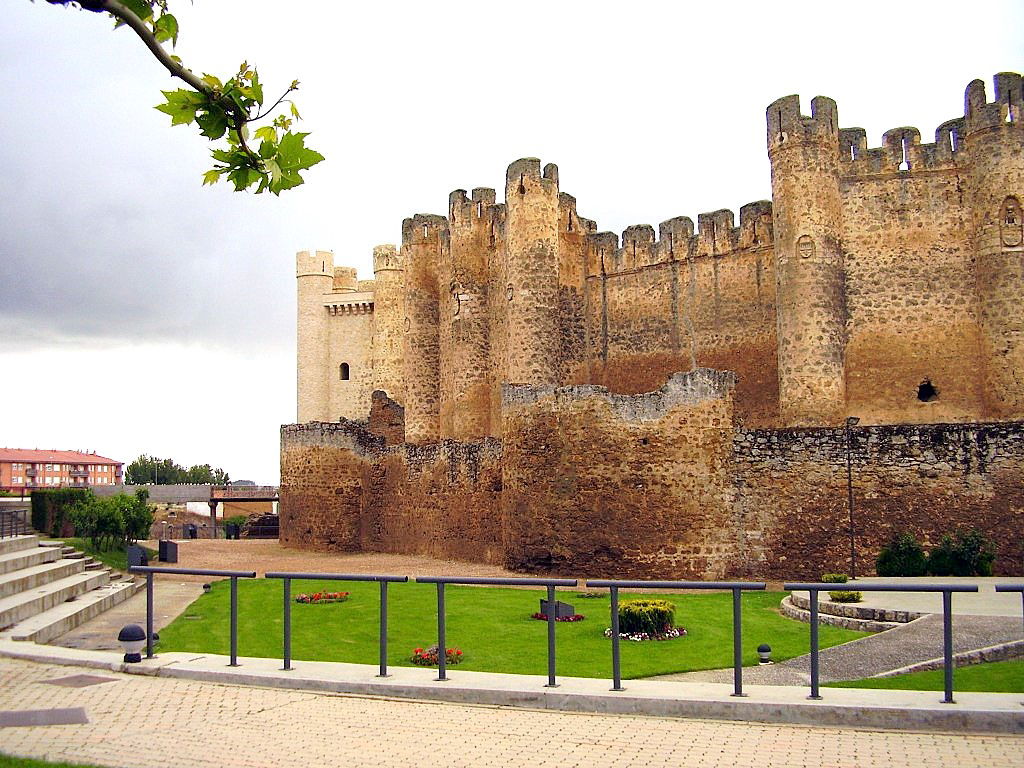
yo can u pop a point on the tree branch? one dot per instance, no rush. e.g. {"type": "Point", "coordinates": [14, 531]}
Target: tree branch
{"type": "Point", "coordinates": [116, 9]}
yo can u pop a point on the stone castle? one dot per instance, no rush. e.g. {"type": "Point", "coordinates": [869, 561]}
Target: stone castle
{"type": "Point", "coordinates": [516, 387]}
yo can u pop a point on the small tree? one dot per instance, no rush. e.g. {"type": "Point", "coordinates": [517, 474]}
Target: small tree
{"type": "Point", "coordinates": [902, 556]}
{"type": "Point", "coordinates": [967, 553]}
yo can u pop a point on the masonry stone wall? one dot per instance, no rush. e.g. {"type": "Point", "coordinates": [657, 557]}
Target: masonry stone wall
{"type": "Point", "coordinates": [928, 479]}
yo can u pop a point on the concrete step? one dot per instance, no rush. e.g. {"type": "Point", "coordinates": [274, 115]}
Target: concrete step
{"type": "Point", "coordinates": [854, 610]}
{"type": "Point", "coordinates": [16, 543]}
{"type": "Point", "coordinates": [38, 575]}
{"type": "Point", "coordinates": [64, 617]}
{"type": "Point", "coordinates": [71, 553]}
{"type": "Point", "coordinates": [789, 609]}
{"type": "Point", "coordinates": [92, 565]}
{"type": "Point", "coordinates": [32, 601]}
{"type": "Point", "coordinates": [26, 558]}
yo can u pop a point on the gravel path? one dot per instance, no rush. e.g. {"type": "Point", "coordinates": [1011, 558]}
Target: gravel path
{"type": "Point", "coordinates": [902, 646]}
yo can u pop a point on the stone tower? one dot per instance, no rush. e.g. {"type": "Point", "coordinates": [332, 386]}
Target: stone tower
{"type": "Point", "coordinates": [532, 331]}
{"type": "Point", "coordinates": [424, 247]}
{"type": "Point", "coordinates": [314, 271]}
{"type": "Point", "coordinates": [995, 191]}
{"type": "Point", "coordinates": [804, 155]}
{"type": "Point", "coordinates": [388, 322]}
{"type": "Point", "coordinates": [464, 322]}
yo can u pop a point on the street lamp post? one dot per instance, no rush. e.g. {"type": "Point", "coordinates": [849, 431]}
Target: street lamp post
{"type": "Point", "coordinates": [851, 421]}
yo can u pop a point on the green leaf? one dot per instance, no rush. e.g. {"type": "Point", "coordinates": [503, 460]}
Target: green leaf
{"type": "Point", "coordinates": [181, 105]}
{"type": "Point", "coordinates": [166, 28]}
{"type": "Point", "coordinates": [268, 149]}
{"type": "Point", "coordinates": [213, 81]}
{"type": "Point", "coordinates": [267, 133]}
{"type": "Point", "coordinates": [141, 8]}
{"type": "Point", "coordinates": [256, 87]}
{"type": "Point", "coordinates": [295, 112]}
{"type": "Point", "coordinates": [294, 155]}
{"type": "Point", "coordinates": [213, 122]}
{"type": "Point", "coordinates": [212, 177]}
{"type": "Point", "coordinates": [243, 178]}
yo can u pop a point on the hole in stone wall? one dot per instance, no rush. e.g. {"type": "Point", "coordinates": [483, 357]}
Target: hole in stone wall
{"type": "Point", "coordinates": [926, 391]}
{"type": "Point", "coordinates": [343, 371]}
{"type": "Point", "coordinates": [522, 187]}
{"type": "Point", "coordinates": [905, 165]}
{"type": "Point", "coordinates": [479, 209]}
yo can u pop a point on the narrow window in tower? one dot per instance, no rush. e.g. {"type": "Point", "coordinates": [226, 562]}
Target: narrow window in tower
{"type": "Point", "coordinates": [1009, 107]}
{"type": "Point", "coordinates": [952, 140]}
{"type": "Point", "coordinates": [926, 391]}
{"type": "Point", "coordinates": [522, 187]}
{"type": "Point", "coordinates": [853, 152]}
{"type": "Point", "coordinates": [905, 165]}
{"type": "Point", "coordinates": [1011, 223]}
{"type": "Point", "coordinates": [479, 209]}
{"type": "Point", "coordinates": [424, 231]}
{"type": "Point", "coordinates": [343, 371]}
{"type": "Point", "coordinates": [569, 226]}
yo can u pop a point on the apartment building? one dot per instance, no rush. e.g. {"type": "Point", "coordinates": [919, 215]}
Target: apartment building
{"type": "Point", "coordinates": [24, 470]}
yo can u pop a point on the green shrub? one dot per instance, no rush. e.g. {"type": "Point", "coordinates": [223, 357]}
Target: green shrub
{"type": "Point", "coordinates": [967, 553]}
{"type": "Point", "coordinates": [112, 521]}
{"type": "Point", "coordinates": [650, 616]}
{"type": "Point", "coordinates": [236, 520]}
{"type": "Point", "coordinates": [902, 556]}
{"type": "Point", "coordinates": [51, 509]}
{"type": "Point", "coordinates": [845, 596]}
{"type": "Point", "coordinates": [833, 578]}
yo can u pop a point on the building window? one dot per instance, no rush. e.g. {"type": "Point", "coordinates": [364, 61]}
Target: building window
{"type": "Point", "coordinates": [344, 372]}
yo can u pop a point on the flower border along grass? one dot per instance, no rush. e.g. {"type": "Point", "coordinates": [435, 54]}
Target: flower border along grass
{"type": "Point", "coordinates": [492, 625]}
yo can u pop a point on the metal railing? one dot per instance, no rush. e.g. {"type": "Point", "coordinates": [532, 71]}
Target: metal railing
{"type": "Point", "coordinates": [149, 570]}
{"type": "Point", "coordinates": [737, 588]}
{"type": "Point", "coordinates": [287, 577]}
{"type": "Point", "coordinates": [441, 581]}
{"type": "Point", "coordinates": [14, 522]}
{"type": "Point", "coordinates": [947, 591]}
{"type": "Point", "coordinates": [1013, 588]}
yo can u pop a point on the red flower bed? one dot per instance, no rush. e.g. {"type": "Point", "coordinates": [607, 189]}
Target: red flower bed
{"type": "Point", "coordinates": [574, 617]}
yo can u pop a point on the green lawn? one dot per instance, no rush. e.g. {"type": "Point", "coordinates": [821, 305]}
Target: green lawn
{"type": "Point", "coordinates": [492, 626]}
{"type": "Point", "coordinates": [6, 761]}
{"type": "Point", "coordinates": [994, 677]}
{"type": "Point", "coordinates": [115, 558]}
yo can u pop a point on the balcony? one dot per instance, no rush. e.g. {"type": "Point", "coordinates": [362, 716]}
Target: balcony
{"type": "Point", "coordinates": [30, 471]}
{"type": "Point", "coordinates": [79, 473]}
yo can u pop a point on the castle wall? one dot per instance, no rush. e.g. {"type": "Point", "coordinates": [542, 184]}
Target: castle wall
{"type": "Point", "coordinates": [438, 500]}
{"type": "Point", "coordinates": [790, 487]}
{"type": "Point", "coordinates": [322, 467]}
{"type": "Point", "coordinates": [314, 274]}
{"type": "Point", "coordinates": [688, 301]}
{"type": "Point", "coordinates": [599, 484]}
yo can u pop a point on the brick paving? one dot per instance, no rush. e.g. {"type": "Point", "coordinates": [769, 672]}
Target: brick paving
{"type": "Point", "coordinates": [166, 723]}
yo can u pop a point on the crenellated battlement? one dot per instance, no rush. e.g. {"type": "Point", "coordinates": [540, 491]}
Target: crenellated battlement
{"type": "Point", "coordinates": [716, 235]}
{"type": "Point", "coordinates": [525, 175]}
{"type": "Point", "coordinates": [422, 228]}
{"type": "Point", "coordinates": [386, 258]}
{"type": "Point", "coordinates": [1007, 107]}
{"type": "Point", "coordinates": [901, 150]}
{"type": "Point", "coordinates": [786, 125]}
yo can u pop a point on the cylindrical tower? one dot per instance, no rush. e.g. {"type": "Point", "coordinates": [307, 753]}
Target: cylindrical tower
{"type": "Point", "coordinates": [993, 154]}
{"type": "Point", "coordinates": [532, 341]}
{"type": "Point", "coordinates": [388, 322]}
{"type": "Point", "coordinates": [804, 154]}
{"type": "Point", "coordinates": [424, 245]}
{"type": "Point", "coordinates": [314, 271]}
{"type": "Point", "coordinates": [464, 349]}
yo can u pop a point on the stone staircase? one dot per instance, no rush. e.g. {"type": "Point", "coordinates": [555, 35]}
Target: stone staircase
{"type": "Point", "coordinates": [47, 589]}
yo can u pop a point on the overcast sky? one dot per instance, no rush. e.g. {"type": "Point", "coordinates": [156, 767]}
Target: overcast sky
{"type": "Point", "coordinates": [143, 313]}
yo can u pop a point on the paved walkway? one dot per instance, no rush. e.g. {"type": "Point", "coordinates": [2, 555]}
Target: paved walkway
{"type": "Point", "coordinates": [166, 723]}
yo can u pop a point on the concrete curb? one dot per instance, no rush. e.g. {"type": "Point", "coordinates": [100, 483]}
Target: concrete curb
{"type": "Point", "coordinates": [845, 707]}
{"type": "Point", "coordinates": [1000, 652]}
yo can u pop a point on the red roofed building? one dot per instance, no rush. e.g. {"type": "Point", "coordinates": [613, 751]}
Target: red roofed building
{"type": "Point", "coordinates": [23, 470]}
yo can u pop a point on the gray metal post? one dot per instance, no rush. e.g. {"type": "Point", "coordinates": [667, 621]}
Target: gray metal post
{"type": "Point", "coordinates": [616, 662]}
{"type": "Point", "coordinates": [814, 645]}
{"type": "Point", "coordinates": [234, 622]}
{"type": "Point", "coordinates": [737, 644]}
{"type": "Point", "coordinates": [383, 629]}
{"type": "Point", "coordinates": [149, 615]}
{"type": "Point", "coordinates": [441, 656]}
{"type": "Point", "coordinates": [287, 624]}
{"type": "Point", "coordinates": [947, 644]}
{"type": "Point", "coordinates": [552, 614]}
